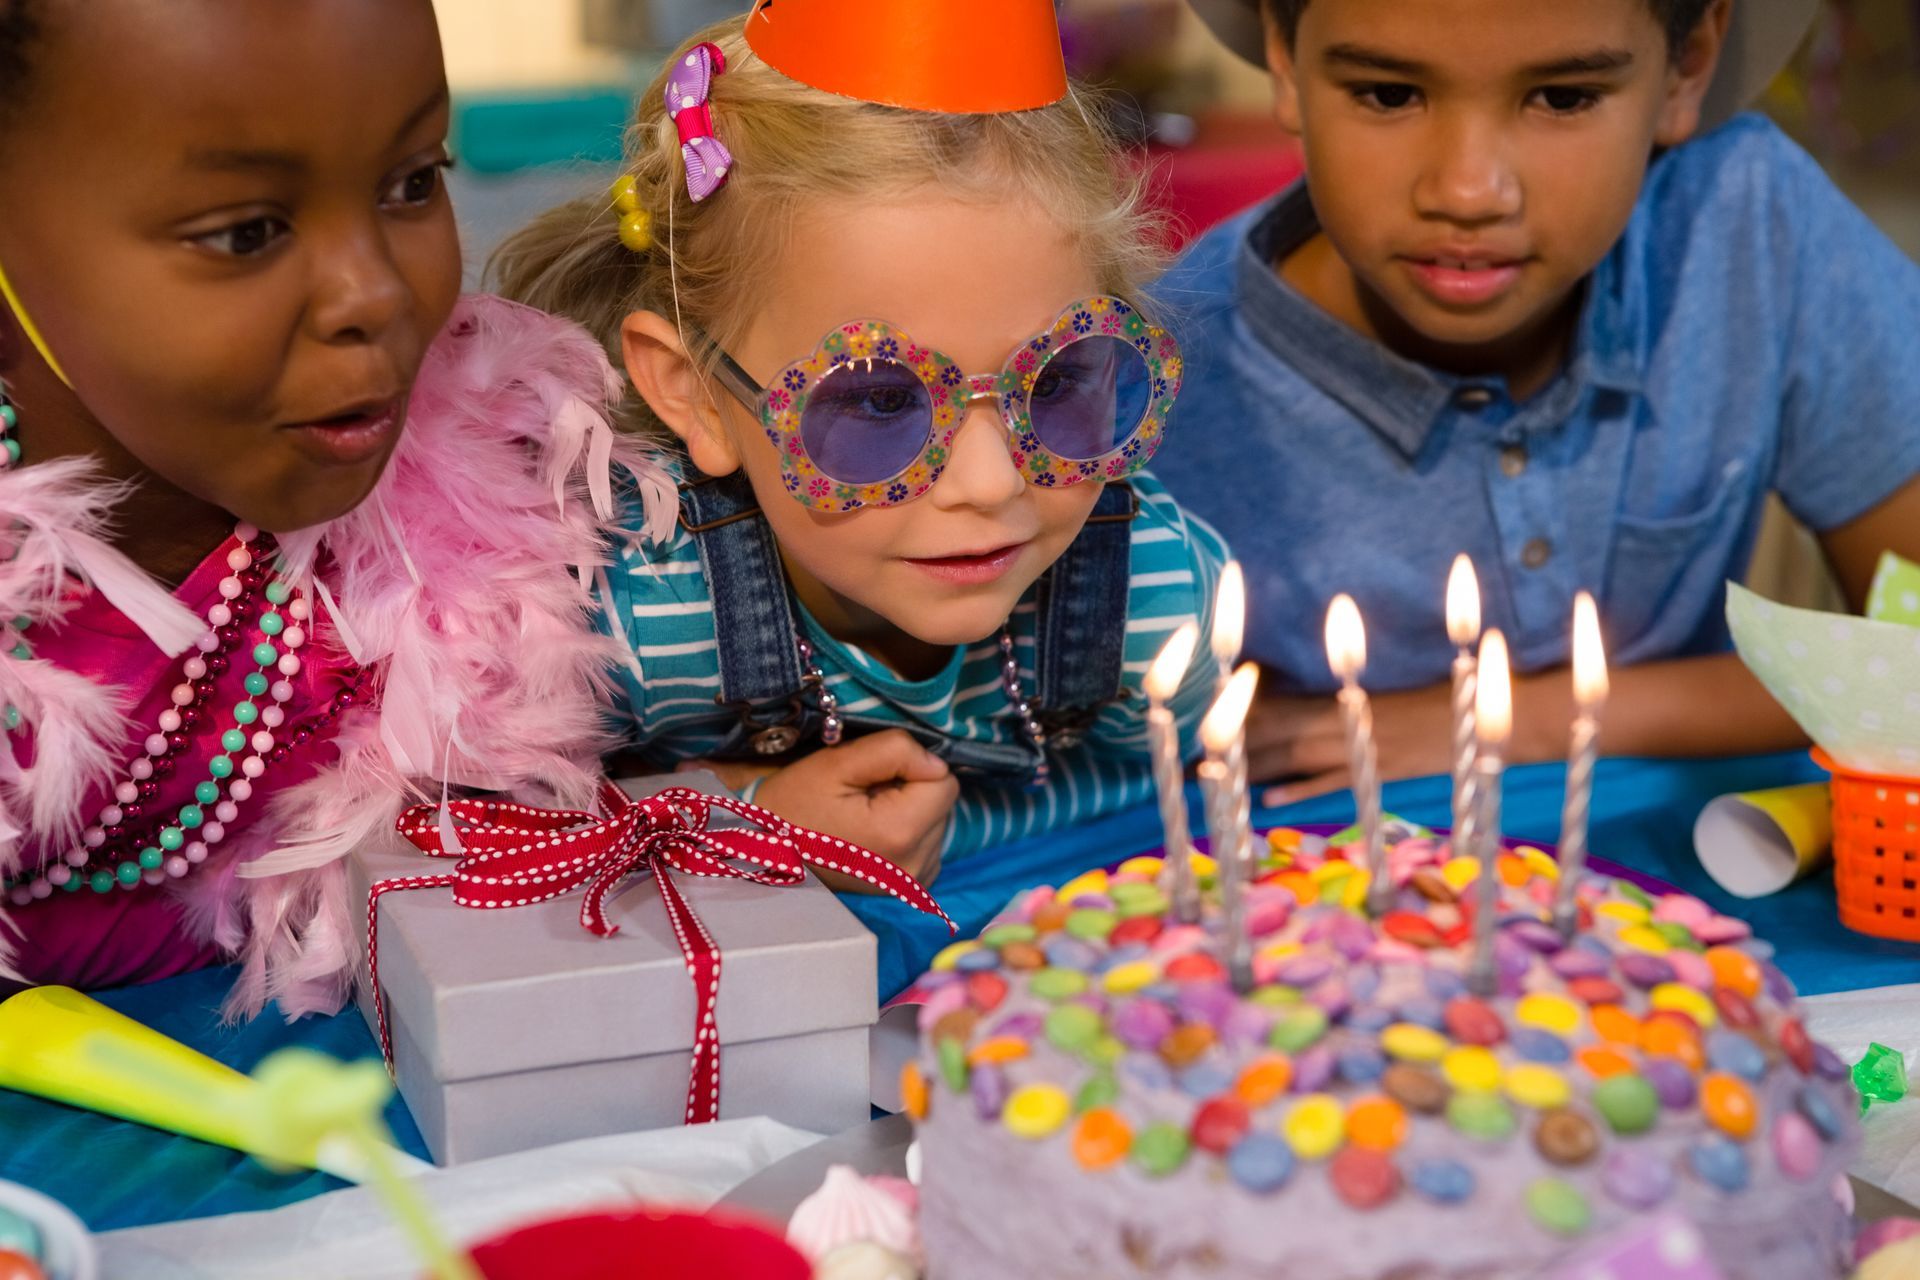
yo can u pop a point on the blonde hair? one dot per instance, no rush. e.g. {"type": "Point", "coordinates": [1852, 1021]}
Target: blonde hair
{"type": "Point", "coordinates": [791, 144]}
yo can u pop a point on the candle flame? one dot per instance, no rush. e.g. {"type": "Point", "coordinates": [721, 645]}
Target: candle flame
{"type": "Point", "coordinates": [1229, 613]}
{"type": "Point", "coordinates": [1494, 710]}
{"type": "Point", "coordinates": [1164, 676]}
{"type": "Point", "coordinates": [1589, 654]}
{"type": "Point", "coordinates": [1463, 603]}
{"type": "Point", "coordinates": [1346, 638]}
{"type": "Point", "coordinates": [1224, 723]}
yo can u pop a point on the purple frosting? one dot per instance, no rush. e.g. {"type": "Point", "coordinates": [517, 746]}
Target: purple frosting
{"type": "Point", "coordinates": [997, 1204]}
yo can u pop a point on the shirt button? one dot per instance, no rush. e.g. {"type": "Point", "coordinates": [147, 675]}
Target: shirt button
{"type": "Point", "coordinates": [1536, 553]}
{"type": "Point", "coordinates": [1473, 397]}
{"type": "Point", "coordinates": [1513, 461]}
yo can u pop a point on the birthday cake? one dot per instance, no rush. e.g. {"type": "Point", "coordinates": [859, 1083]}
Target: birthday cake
{"type": "Point", "coordinates": [1094, 1097]}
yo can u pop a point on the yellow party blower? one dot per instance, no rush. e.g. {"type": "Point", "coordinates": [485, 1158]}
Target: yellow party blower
{"type": "Point", "coordinates": [57, 1043]}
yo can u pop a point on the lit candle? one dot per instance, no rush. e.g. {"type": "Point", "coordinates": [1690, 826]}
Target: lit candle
{"type": "Point", "coordinates": [1223, 778]}
{"type": "Point", "coordinates": [1493, 714]}
{"type": "Point", "coordinates": [1589, 695]}
{"type": "Point", "coordinates": [1228, 631]}
{"type": "Point", "coordinates": [1162, 682]}
{"type": "Point", "coordinates": [1347, 655]}
{"type": "Point", "coordinates": [1463, 628]}
{"type": "Point", "coordinates": [1229, 618]}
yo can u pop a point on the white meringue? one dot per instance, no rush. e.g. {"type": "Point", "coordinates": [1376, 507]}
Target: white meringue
{"type": "Point", "coordinates": [864, 1260]}
{"type": "Point", "coordinates": [849, 1210]}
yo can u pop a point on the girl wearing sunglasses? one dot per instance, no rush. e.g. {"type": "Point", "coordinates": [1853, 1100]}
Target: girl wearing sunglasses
{"type": "Point", "coordinates": [920, 573]}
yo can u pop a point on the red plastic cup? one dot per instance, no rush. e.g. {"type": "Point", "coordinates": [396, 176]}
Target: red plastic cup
{"type": "Point", "coordinates": [661, 1244]}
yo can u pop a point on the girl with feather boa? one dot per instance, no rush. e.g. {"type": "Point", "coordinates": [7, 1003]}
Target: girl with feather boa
{"type": "Point", "coordinates": [291, 536]}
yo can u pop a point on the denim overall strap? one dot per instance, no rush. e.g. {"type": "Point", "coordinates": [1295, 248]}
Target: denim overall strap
{"type": "Point", "coordinates": [753, 618]}
{"type": "Point", "coordinates": [1081, 632]}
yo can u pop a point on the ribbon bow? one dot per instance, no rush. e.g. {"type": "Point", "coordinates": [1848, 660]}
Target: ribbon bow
{"type": "Point", "coordinates": [510, 855]}
{"type": "Point", "coordinates": [689, 86]}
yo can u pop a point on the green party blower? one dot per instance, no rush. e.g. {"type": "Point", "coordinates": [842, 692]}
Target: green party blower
{"type": "Point", "coordinates": [304, 1100]}
{"type": "Point", "coordinates": [57, 1043]}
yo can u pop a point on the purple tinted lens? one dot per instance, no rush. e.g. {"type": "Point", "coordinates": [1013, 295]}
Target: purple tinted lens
{"type": "Point", "coordinates": [1090, 397]}
{"type": "Point", "coordinates": [866, 422]}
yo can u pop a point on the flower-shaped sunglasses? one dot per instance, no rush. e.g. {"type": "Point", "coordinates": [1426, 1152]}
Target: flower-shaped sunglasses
{"type": "Point", "coordinates": [868, 419]}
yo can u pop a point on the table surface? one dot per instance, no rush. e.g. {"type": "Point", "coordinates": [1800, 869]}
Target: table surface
{"type": "Point", "coordinates": [127, 1175]}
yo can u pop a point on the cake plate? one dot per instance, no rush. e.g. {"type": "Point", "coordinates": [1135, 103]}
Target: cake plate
{"type": "Point", "coordinates": [878, 1147]}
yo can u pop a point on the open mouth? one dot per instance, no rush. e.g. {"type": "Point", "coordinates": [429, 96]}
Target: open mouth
{"type": "Point", "coordinates": [353, 435]}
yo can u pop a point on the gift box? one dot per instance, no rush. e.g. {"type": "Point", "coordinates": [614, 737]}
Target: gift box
{"type": "Point", "coordinates": [518, 1028]}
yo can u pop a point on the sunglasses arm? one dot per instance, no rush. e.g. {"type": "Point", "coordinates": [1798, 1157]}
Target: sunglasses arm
{"type": "Point", "coordinates": [738, 382]}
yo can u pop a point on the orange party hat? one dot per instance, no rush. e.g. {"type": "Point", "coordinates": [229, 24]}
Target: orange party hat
{"type": "Point", "coordinates": [961, 57]}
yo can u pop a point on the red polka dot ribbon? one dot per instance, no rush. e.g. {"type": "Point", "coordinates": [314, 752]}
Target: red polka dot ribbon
{"type": "Point", "coordinates": [510, 855]}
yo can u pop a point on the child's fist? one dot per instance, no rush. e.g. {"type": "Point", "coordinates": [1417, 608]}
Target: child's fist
{"type": "Point", "coordinates": [884, 792]}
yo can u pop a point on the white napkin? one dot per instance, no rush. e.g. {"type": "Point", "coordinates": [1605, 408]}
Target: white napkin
{"type": "Point", "coordinates": [1852, 683]}
{"type": "Point", "coordinates": [348, 1234]}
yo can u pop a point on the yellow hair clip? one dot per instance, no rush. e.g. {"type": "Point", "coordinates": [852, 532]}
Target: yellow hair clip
{"type": "Point", "coordinates": [636, 224]}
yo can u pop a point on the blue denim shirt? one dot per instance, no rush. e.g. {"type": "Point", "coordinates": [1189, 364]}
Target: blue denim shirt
{"type": "Point", "coordinates": [1751, 332]}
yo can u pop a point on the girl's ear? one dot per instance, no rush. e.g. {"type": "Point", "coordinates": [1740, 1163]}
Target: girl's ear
{"type": "Point", "coordinates": [669, 381]}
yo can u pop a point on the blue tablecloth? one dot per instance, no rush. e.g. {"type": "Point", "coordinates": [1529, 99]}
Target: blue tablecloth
{"type": "Point", "coordinates": [115, 1174]}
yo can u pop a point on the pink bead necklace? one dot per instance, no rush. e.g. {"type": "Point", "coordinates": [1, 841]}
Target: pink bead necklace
{"type": "Point", "coordinates": [127, 846]}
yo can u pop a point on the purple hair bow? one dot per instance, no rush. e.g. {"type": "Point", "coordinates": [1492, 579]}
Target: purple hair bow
{"type": "Point", "coordinates": [688, 87]}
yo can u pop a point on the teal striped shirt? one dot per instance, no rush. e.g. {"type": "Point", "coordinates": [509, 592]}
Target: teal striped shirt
{"type": "Point", "coordinates": [656, 598]}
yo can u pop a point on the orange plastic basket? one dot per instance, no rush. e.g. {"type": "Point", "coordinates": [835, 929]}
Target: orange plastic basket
{"type": "Point", "coordinates": [1876, 851]}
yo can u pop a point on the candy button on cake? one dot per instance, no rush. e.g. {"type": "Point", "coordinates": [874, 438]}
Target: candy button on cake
{"type": "Point", "coordinates": [1366, 1110]}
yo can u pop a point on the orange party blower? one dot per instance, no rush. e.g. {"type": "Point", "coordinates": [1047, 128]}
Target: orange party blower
{"type": "Point", "coordinates": [962, 57]}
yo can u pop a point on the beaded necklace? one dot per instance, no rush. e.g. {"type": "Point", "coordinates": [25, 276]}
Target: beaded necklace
{"type": "Point", "coordinates": [126, 846]}
{"type": "Point", "coordinates": [833, 728]}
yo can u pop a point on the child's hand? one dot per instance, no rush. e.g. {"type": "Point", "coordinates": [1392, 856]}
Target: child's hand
{"type": "Point", "coordinates": [736, 775]}
{"type": "Point", "coordinates": [884, 792]}
{"type": "Point", "coordinates": [1305, 740]}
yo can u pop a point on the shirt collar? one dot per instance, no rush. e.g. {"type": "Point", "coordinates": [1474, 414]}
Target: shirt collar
{"type": "Point", "coordinates": [1402, 399]}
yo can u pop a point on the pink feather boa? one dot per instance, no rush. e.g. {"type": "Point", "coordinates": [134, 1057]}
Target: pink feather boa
{"type": "Point", "coordinates": [458, 584]}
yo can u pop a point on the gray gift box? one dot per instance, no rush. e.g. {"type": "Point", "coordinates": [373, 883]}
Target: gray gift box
{"type": "Point", "coordinates": [516, 1028]}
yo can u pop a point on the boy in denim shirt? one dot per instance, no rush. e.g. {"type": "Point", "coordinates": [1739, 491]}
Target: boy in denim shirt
{"type": "Point", "coordinates": [1523, 307]}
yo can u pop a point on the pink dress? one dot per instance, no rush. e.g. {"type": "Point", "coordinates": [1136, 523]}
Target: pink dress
{"type": "Point", "coordinates": [83, 938]}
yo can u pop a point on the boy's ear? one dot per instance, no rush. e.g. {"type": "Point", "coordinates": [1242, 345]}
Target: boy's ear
{"type": "Point", "coordinates": [1286, 80]}
{"type": "Point", "coordinates": [669, 381]}
{"type": "Point", "coordinates": [1690, 75]}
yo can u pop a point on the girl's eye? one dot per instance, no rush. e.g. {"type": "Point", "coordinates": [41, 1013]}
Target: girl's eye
{"type": "Point", "coordinates": [244, 239]}
{"type": "Point", "coordinates": [1567, 100]}
{"type": "Point", "coordinates": [418, 187]}
{"type": "Point", "coordinates": [885, 402]}
{"type": "Point", "coordinates": [1385, 97]}
{"type": "Point", "coordinates": [1065, 379]}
